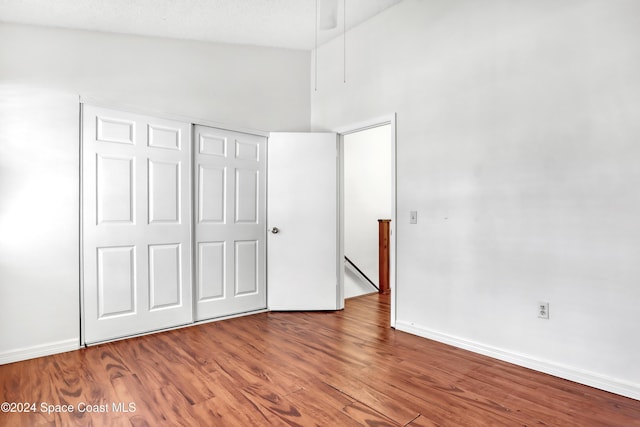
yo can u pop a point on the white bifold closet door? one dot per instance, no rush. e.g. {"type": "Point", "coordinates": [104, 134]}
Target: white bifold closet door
{"type": "Point", "coordinates": [136, 224]}
{"type": "Point", "coordinates": [230, 215]}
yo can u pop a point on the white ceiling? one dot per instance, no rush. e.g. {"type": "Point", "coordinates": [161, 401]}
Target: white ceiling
{"type": "Point", "coordinates": [276, 23]}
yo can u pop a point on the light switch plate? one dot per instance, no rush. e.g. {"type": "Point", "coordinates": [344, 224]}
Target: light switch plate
{"type": "Point", "coordinates": [413, 217]}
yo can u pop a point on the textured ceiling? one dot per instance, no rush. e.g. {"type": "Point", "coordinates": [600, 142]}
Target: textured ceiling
{"type": "Point", "coordinates": [277, 23]}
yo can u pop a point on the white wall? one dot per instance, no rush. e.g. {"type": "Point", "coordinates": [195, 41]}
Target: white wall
{"type": "Point", "coordinates": [240, 86]}
{"type": "Point", "coordinates": [367, 195]}
{"type": "Point", "coordinates": [42, 72]}
{"type": "Point", "coordinates": [39, 228]}
{"type": "Point", "coordinates": [517, 142]}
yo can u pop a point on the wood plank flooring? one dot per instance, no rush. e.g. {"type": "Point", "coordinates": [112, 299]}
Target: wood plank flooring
{"type": "Point", "coordinates": [297, 369]}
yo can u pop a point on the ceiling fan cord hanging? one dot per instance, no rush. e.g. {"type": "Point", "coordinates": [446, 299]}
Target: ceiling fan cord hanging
{"type": "Point", "coordinates": [316, 49]}
{"type": "Point", "coordinates": [344, 40]}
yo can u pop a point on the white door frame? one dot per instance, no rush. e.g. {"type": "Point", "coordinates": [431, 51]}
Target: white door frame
{"type": "Point", "coordinates": [357, 127]}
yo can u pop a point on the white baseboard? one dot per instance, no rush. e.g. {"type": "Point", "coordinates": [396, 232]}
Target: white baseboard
{"type": "Point", "coordinates": [25, 353]}
{"type": "Point", "coordinates": [591, 379]}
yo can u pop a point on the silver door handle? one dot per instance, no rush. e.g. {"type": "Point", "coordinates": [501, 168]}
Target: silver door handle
{"type": "Point", "coordinates": [275, 230]}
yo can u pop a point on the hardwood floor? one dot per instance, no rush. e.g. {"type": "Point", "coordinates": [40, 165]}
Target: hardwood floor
{"type": "Point", "coordinates": [329, 369]}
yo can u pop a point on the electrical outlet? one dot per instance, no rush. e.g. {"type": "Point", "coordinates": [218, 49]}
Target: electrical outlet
{"type": "Point", "coordinates": [413, 217]}
{"type": "Point", "coordinates": [543, 310]}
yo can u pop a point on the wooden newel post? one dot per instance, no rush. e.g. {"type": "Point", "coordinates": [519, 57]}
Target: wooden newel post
{"type": "Point", "coordinates": [383, 255]}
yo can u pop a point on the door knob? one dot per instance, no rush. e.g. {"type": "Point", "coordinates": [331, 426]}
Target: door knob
{"type": "Point", "coordinates": [275, 230]}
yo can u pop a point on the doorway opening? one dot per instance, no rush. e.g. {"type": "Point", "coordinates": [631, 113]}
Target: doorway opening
{"type": "Point", "coordinates": [368, 194]}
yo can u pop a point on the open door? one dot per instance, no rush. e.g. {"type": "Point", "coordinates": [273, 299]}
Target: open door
{"type": "Point", "coordinates": [304, 268]}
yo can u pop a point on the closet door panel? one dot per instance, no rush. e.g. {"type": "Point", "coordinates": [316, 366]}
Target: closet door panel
{"type": "Point", "coordinates": [230, 226]}
{"type": "Point", "coordinates": [136, 227]}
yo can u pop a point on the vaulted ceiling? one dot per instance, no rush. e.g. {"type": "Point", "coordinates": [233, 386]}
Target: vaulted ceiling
{"type": "Point", "coordinates": [276, 23]}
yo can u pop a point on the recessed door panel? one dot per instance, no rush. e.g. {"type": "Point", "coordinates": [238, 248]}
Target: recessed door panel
{"type": "Point", "coordinates": [136, 200]}
{"type": "Point", "coordinates": [246, 261]}
{"type": "Point", "coordinates": [164, 192]}
{"type": "Point", "coordinates": [163, 137]}
{"type": "Point", "coordinates": [115, 130]}
{"type": "Point", "coordinates": [247, 150]}
{"type": "Point", "coordinates": [211, 194]}
{"type": "Point", "coordinates": [212, 145]}
{"type": "Point", "coordinates": [211, 270]}
{"type": "Point", "coordinates": [115, 198]}
{"type": "Point", "coordinates": [230, 231]}
{"type": "Point", "coordinates": [165, 280]}
{"type": "Point", "coordinates": [116, 281]}
{"type": "Point", "coordinates": [247, 196]}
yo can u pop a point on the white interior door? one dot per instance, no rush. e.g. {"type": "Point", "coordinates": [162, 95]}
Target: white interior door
{"type": "Point", "coordinates": [304, 267]}
{"type": "Point", "coordinates": [136, 224]}
{"type": "Point", "coordinates": [230, 187]}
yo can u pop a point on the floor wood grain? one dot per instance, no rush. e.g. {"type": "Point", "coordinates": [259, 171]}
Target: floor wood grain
{"type": "Point", "coordinates": [297, 369]}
